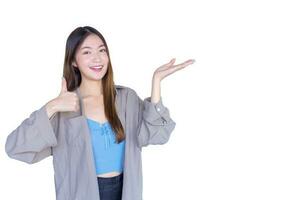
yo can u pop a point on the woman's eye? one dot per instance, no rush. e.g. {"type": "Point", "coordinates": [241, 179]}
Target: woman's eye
{"type": "Point", "coordinates": [87, 52]}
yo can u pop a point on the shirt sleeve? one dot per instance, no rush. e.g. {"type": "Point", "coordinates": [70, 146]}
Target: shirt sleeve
{"type": "Point", "coordinates": [34, 138]}
{"type": "Point", "coordinates": [155, 124]}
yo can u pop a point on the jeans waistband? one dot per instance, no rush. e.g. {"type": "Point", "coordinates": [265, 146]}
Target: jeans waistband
{"type": "Point", "coordinates": [108, 180]}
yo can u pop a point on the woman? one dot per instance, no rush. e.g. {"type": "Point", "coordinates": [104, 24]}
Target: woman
{"type": "Point", "coordinates": [94, 129]}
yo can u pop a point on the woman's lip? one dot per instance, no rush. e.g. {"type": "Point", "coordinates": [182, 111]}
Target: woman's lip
{"type": "Point", "coordinates": [96, 69]}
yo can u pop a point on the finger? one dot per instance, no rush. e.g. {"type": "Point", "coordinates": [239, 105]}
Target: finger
{"type": "Point", "coordinates": [63, 85]}
{"type": "Point", "coordinates": [184, 64]}
{"type": "Point", "coordinates": [172, 61]}
{"type": "Point", "coordinates": [190, 61]}
{"type": "Point", "coordinates": [165, 66]}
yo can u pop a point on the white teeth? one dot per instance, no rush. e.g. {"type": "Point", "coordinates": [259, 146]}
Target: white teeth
{"type": "Point", "coordinates": [98, 67]}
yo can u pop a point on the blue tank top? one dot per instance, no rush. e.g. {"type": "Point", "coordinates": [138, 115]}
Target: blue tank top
{"type": "Point", "coordinates": [108, 155]}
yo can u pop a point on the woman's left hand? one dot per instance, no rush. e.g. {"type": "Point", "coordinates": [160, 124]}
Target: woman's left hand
{"type": "Point", "coordinates": [167, 69]}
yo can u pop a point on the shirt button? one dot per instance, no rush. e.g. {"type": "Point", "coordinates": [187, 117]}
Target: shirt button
{"type": "Point", "coordinates": [158, 109]}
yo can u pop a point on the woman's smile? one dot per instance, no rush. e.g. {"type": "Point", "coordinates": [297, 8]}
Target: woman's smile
{"type": "Point", "coordinates": [97, 68]}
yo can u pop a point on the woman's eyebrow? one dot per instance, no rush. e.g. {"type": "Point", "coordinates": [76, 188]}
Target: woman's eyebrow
{"type": "Point", "coordinates": [90, 47]}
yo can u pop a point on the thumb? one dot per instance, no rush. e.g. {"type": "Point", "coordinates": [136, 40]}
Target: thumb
{"type": "Point", "coordinates": [173, 59]}
{"type": "Point", "coordinates": [63, 85]}
{"type": "Point", "coordinates": [171, 62]}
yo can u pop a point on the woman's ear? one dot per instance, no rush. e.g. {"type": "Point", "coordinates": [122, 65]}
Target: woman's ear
{"type": "Point", "coordinates": [74, 64]}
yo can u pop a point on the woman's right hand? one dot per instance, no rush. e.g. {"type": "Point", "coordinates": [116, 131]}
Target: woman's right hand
{"type": "Point", "coordinates": [66, 101]}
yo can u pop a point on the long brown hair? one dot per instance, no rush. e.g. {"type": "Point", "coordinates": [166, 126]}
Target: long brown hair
{"type": "Point", "coordinates": [73, 76]}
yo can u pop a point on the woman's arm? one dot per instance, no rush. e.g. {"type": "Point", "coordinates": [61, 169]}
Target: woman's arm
{"type": "Point", "coordinates": [154, 122]}
{"type": "Point", "coordinates": [34, 138]}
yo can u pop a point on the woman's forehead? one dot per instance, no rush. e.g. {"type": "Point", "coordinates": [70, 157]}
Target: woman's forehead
{"type": "Point", "coordinates": [92, 41]}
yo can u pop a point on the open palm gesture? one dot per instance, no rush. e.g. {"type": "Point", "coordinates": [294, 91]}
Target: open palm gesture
{"type": "Point", "coordinates": [169, 68]}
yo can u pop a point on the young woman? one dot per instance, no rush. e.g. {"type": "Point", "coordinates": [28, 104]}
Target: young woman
{"type": "Point", "coordinates": [94, 129]}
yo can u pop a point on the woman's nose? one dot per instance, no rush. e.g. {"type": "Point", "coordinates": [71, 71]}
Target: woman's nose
{"type": "Point", "coordinates": [97, 57]}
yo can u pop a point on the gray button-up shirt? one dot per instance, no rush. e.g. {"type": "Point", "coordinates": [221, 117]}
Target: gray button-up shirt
{"type": "Point", "coordinates": [66, 137]}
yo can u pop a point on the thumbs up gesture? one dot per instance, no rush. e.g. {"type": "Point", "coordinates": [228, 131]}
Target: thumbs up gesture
{"type": "Point", "coordinates": [63, 86]}
{"type": "Point", "coordinates": [65, 101]}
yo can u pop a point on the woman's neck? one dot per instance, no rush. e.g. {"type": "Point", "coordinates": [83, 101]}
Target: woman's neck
{"type": "Point", "coordinates": [92, 88]}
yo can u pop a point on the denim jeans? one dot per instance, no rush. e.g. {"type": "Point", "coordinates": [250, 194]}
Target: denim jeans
{"type": "Point", "coordinates": [110, 188]}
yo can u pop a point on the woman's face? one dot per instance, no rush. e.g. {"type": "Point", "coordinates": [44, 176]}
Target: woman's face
{"type": "Point", "coordinates": [91, 58]}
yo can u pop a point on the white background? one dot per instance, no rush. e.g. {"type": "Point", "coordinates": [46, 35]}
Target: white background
{"type": "Point", "coordinates": [236, 108]}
